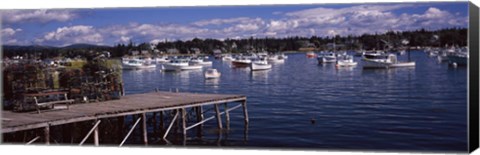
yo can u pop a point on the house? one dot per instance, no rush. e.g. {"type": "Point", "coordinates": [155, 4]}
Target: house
{"type": "Point", "coordinates": [172, 51]}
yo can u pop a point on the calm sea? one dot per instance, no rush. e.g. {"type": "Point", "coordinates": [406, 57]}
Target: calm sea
{"type": "Point", "coordinates": [419, 108]}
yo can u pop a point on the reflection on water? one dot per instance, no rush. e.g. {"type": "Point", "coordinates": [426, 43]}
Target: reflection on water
{"type": "Point", "coordinates": [354, 108]}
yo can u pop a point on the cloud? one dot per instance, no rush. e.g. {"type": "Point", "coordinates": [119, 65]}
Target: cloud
{"type": "Point", "coordinates": [72, 35]}
{"type": "Point", "coordinates": [238, 20]}
{"type": "Point", "coordinates": [8, 35]}
{"type": "Point", "coordinates": [36, 16]}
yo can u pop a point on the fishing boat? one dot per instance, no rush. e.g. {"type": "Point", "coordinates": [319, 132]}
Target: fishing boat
{"type": "Point", "coordinates": [199, 61]}
{"type": "Point", "coordinates": [379, 60]}
{"type": "Point", "coordinates": [212, 74]}
{"type": "Point", "coordinates": [310, 55]}
{"type": "Point", "coordinates": [459, 57]}
{"type": "Point", "coordinates": [326, 57]}
{"type": "Point", "coordinates": [260, 64]}
{"type": "Point", "coordinates": [241, 62]}
{"type": "Point", "coordinates": [162, 59]}
{"type": "Point", "coordinates": [179, 65]}
{"type": "Point", "coordinates": [276, 59]}
{"type": "Point", "coordinates": [227, 58]}
{"type": "Point", "coordinates": [137, 64]}
{"type": "Point", "coordinates": [346, 61]}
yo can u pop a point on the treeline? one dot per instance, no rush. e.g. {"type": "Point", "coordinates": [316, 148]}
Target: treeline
{"type": "Point", "coordinates": [388, 40]}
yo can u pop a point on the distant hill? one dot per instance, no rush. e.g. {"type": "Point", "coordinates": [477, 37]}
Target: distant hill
{"type": "Point", "coordinates": [30, 47]}
{"type": "Point", "coordinates": [41, 47]}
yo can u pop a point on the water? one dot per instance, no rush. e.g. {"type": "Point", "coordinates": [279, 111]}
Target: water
{"type": "Point", "coordinates": [419, 108]}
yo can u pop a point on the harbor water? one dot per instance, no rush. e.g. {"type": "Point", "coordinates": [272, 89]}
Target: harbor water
{"type": "Point", "coordinates": [301, 104]}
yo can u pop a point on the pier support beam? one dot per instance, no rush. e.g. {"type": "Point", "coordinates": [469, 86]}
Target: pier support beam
{"type": "Point", "coordinates": [95, 137]}
{"type": "Point", "coordinates": [245, 112]}
{"type": "Point", "coordinates": [144, 129]}
{"type": "Point", "coordinates": [218, 115]}
{"type": "Point", "coordinates": [227, 116]}
{"type": "Point", "coordinates": [184, 125]}
{"type": "Point", "coordinates": [46, 133]}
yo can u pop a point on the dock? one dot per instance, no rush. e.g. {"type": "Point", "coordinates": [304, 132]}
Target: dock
{"type": "Point", "coordinates": [130, 105]}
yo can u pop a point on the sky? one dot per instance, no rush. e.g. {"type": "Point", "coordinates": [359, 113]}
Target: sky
{"type": "Point", "coordinates": [110, 26]}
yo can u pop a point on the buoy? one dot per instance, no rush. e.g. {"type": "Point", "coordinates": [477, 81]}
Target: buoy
{"type": "Point", "coordinates": [454, 65]}
{"type": "Point", "coordinates": [312, 120]}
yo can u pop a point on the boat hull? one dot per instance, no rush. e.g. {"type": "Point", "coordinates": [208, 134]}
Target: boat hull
{"type": "Point", "coordinates": [257, 67]}
{"type": "Point", "coordinates": [240, 64]}
{"type": "Point", "coordinates": [169, 67]}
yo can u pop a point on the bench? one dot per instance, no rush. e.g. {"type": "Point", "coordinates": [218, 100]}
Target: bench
{"type": "Point", "coordinates": [38, 104]}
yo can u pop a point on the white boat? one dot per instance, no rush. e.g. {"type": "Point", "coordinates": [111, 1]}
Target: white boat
{"type": "Point", "coordinates": [161, 59]}
{"type": "Point", "coordinates": [260, 64]}
{"type": "Point", "coordinates": [212, 74]}
{"type": "Point", "coordinates": [326, 57]}
{"type": "Point", "coordinates": [227, 58]}
{"type": "Point", "coordinates": [179, 65]}
{"type": "Point", "coordinates": [377, 60]}
{"type": "Point", "coordinates": [241, 62]}
{"type": "Point", "coordinates": [137, 64]}
{"type": "Point", "coordinates": [276, 59]}
{"type": "Point", "coordinates": [346, 61]}
{"type": "Point", "coordinates": [199, 61]}
{"type": "Point", "coordinates": [460, 57]}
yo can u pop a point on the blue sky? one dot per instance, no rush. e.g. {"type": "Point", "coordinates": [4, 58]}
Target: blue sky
{"type": "Point", "coordinates": [120, 25]}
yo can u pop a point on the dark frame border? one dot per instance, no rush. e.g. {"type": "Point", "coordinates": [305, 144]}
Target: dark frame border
{"type": "Point", "coordinates": [473, 93]}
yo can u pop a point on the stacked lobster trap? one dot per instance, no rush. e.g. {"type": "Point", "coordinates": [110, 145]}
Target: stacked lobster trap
{"type": "Point", "coordinates": [91, 81]}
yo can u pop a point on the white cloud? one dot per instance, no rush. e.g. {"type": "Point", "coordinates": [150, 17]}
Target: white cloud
{"type": "Point", "coordinates": [9, 35]}
{"type": "Point", "coordinates": [239, 20]}
{"type": "Point", "coordinates": [40, 16]}
{"type": "Point", "coordinates": [71, 35]}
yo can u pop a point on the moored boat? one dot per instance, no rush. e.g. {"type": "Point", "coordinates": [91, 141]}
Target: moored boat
{"type": "Point", "coordinates": [212, 73]}
{"type": "Point", "coordinates": [326, 57]}
{"type": "Point", "coordinates": [378, 60]}
{"type": "Point", "coordinates": [241, 62]}
{"type": "Point", "coordinates": [179, 65]}
{"type": "Point", "coordinates": [260, 64]}
{"type": "Point", "coordinates": [137, 64]}
{"type": "Point", "coordinates": [346, 61]}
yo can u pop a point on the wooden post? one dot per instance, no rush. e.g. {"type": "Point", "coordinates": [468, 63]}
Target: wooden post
{"type": "Point", "coordinates": [154, 124]}
{"type": "Point", "coordinates": [184, 125]}
{"type": "Point", "coordinates": [120, 126]}
{"type": "Point", "coordinates": [144, 129]}
{"type": "Point", "coordinates": [245, 112]}
{"type": "Point", "coordinates": [95, 136]}
{"type": "Point", "coordinates": [227, 116]}
{"type": "Point", "coordinates": [162, 125]}
{"type": "Point", "coordinates": [46, 132]}
{"type": "Point", "coordinates": [200, 118]}
{"type": "Point", "coordinates": [219, 118]}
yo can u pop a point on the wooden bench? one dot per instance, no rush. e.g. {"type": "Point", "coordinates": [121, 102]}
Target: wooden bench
{"type": "Point", "coordinates": [36, 97]}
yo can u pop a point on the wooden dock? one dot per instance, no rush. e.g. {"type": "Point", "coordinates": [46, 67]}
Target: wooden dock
{"type": "Point", "coordinates": [138, 104]}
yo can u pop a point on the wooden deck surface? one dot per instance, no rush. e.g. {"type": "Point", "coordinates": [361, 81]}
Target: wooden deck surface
{"type": "Point", "coordinates": [127, 105]}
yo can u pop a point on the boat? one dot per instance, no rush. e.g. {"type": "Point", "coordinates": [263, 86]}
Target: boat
{"type": "Point", "coordinates": [276, 59]}
{"type": "Point", "coordinates": [241, 62]}
{"type": "Point", "coordinates": [260, 64]}
{"type": "Point", "coordinates": [346, 61]}
{"type": "Point", "coordinates": [380, 60]}
{"type": "Point", "coordinates": [459, 58]}
{"type": "Point", "coordinates": [310, 55]}
{"type": "Point", "coordinates": [137, 64]}
{"type": "Point", "coordinates": [212, 74]}
{"type": "Point", "coordinates": [227, 58]}
{"type": "Point", "coordinates": [179, 65]}
{"type": "Point", "coordinates": [199, 61]}
{"type": "Point", "coordinates": [326, 57]}
{"type": "Point", "coordinates": [161, 59]}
